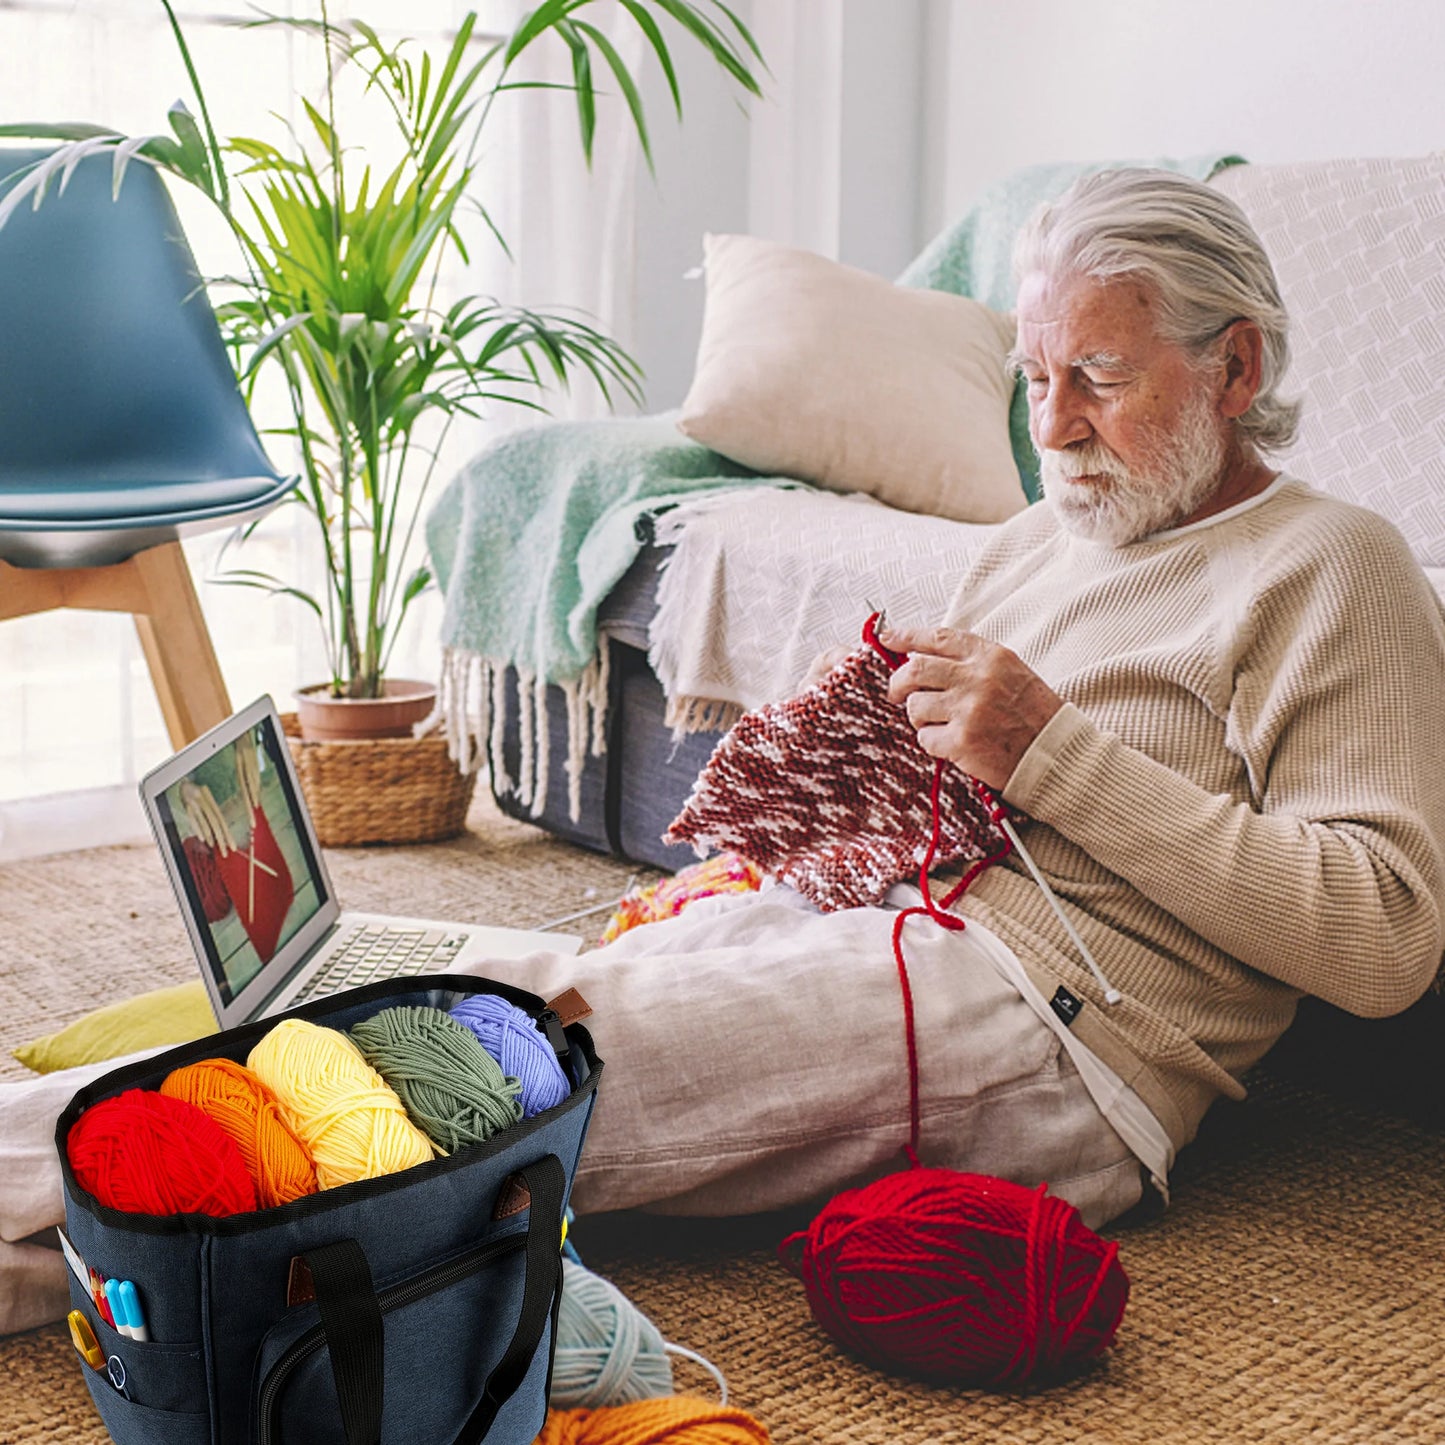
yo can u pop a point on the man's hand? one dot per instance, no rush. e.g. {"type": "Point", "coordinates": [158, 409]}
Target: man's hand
{"type": "Point", "coordinates": [971, 701]}
{"type": "Point", "coordinates": [207, 821]}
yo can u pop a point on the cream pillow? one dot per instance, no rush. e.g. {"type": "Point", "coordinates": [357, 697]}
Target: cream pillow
{"type": "Point", "coordinates": [808, 368]}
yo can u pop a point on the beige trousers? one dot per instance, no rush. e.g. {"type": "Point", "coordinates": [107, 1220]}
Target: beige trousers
{"type": "Point", "coordinates": [755, 1058]}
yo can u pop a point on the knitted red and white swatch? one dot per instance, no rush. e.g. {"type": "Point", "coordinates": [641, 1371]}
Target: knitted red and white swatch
{"type": "Point", "coordinates": [829, 793]}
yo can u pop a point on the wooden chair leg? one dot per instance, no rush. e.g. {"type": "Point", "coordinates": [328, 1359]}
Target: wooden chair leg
{"type": "Point", "coordinates": [177, 645]}
{"type": "Point", "coordinates": [24, 590]}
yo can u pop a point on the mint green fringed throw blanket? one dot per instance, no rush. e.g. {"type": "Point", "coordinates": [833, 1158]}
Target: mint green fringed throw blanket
{"type": "Point", "coordinates": [526, 541]}
{"type": "Point", "coordinates": [530, 537]}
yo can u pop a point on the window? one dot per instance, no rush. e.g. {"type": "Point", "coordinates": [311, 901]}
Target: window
{"type": "Point", "coordinates": [77, 709]}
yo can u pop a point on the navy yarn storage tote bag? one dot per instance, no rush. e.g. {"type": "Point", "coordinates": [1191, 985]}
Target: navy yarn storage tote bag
{"type": "Point", "coordinates": [418, 1308]}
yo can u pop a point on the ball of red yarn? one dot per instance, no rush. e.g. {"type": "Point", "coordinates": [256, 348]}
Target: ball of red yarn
{"type": "Point", "coordinates": [148, 1154]}
{"type": "Point", "coordinates": [215, 901]}
{"type": "Point", "coordinates": [960, 1278]}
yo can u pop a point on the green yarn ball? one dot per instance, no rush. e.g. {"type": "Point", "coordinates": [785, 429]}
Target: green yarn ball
{"type": "Point", "coordinates": [453, 1089]}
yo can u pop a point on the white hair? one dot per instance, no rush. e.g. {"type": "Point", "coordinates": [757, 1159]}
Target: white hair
{"type": "Point", "coordinates": [1197, 255]}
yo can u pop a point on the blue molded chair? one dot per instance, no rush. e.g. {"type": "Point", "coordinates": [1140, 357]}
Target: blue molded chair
{"type": "Point", "coordinates": [121, 426]}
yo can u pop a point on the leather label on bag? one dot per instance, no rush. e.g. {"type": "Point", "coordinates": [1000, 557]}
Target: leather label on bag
{"type": "Point", "coordinates": [300, 1287]}
{"type": "Point", "coordinates": [569, 1006]}
{"type": "Point", "coordinates": [512, 1198]}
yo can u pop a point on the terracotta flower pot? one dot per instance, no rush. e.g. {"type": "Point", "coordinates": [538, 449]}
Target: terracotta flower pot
{"type": "Point", "coordinates": [330, 719]}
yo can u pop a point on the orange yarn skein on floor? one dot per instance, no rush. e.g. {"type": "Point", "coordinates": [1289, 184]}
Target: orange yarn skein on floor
{"type": "Point", "coordinates": [670, 1420]}
{"type": "Point", "coordinates": [279, 1164]}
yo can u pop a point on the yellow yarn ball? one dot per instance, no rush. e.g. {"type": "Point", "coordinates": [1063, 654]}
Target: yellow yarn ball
{"type": "Point", "coordinates": [344, 1111]}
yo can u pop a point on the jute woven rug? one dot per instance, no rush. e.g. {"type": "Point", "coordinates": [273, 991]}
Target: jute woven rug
{"type": "Point", "coordinates": [1295, 1291]}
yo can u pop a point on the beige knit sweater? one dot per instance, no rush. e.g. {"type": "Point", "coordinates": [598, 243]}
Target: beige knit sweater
{"type": "Point", "coordinates": [1243, 799]}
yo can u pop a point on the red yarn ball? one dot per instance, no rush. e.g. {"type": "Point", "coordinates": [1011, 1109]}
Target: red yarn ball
{"type": "Point", "coordinates": [206, 874]}
{"type": "Point", "coordinates": [148, 1154]}
{"type": "Point", "coordinates": [960, 1278]}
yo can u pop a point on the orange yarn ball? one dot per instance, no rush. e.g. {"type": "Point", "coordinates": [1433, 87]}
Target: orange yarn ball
{"type": "Point", "coordinates": [669, 1420]}
{"type": "Point", "coordinates": [149, 1154]}
{"type": "Point", "coordinates": [279, 1164]}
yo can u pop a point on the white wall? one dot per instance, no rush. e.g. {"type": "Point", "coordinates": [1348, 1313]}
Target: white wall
{"type": "Point", "coordinates": [830, 159]}
{"type": "Point", "coordinates": [885, 119]}
{"type": "Point", "coordinates": [1274, 80]}
{"type": "Point", "coordinates": [701, 185]}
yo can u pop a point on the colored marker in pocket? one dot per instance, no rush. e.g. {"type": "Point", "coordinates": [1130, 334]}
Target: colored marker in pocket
{"type": "Point", "coordinates": [97, 1293]}
{"type": "Point", "coordinates": [135, 1320]}
{"type": "Point", "coordinates": [117, 1307]}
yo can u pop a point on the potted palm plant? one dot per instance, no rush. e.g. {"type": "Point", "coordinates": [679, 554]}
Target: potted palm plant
{"type": "Point", "coordinates": [336, 292]}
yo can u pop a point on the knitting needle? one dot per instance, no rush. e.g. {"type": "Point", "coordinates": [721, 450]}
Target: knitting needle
{"type": "Point", "coordinates": [585, 912]}
{"type": "Point", "coordinates": [1111, 994]}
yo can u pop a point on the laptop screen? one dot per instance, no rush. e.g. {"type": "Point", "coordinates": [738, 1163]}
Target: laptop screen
{"type": "Point", "coordinates": [240, 854]}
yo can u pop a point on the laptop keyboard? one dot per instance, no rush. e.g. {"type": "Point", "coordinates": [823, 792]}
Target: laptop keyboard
{"type": "Point", "coordinates": [372, 951]}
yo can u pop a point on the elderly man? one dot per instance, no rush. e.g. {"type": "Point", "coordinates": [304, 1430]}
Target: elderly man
{"type": "Point", "coordinates": [1217, 696]}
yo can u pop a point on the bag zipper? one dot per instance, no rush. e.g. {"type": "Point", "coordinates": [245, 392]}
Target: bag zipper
{"type": "Point", "coordinates": [394, 1297]}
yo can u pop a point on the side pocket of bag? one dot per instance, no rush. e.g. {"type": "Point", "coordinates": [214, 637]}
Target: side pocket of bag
{"type": "Point", "coordinates": [133, 1424]}
{"type": "Point", "coordinates": [142, 1392]}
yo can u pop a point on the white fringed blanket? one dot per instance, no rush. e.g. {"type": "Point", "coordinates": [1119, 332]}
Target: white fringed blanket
{"type": "Point", "coordinates": [758, 585]}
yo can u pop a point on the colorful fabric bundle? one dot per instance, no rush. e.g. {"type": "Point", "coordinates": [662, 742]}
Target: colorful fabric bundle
{"type": "Point", "coordinates": [726, 872]}
{"type": "Point", "coordinates": [829, 792]}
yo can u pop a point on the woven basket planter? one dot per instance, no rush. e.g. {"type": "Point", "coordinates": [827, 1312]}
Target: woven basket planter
{"type": "Point", "coordinates": [386, 790]}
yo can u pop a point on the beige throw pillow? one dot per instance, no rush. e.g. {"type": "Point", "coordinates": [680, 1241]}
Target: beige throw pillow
{"type": "Point", "coordinates": [808, 368]}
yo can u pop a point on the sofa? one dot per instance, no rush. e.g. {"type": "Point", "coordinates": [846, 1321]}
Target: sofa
{"type": "Point", "coordinates": [1359, 246]}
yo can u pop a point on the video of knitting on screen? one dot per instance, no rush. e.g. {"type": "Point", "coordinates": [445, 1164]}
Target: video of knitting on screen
{"type": "Point", "coordinates": [249, 876]}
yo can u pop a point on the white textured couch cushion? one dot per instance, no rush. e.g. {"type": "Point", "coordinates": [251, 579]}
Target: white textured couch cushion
{"type": "Point", "coordinates": [808, 368]}
{"type": "Point", "coordinates": [1359, 248]}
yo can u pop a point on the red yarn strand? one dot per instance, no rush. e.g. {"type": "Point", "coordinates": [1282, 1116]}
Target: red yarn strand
{"type": "Point", "coordinates": [951, 921]}
{"type": "Point", "coordinates": [960, 1278]}
{"type": "Point", "coordinates": [911, 1148]}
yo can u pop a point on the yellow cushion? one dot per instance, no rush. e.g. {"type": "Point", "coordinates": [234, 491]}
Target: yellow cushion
{"type": "Point", "coordinates": [165, 1016]}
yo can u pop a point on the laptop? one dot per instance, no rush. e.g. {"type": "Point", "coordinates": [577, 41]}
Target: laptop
{"type": "Point", "coordinates": [239, 847]}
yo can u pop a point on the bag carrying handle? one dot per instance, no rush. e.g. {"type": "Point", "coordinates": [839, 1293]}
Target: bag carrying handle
{"type": "Point", "coordinates": [351, 1315]}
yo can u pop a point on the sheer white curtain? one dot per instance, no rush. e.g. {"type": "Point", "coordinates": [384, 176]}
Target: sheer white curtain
{"type": "Point", "coordinates": [78, 718]}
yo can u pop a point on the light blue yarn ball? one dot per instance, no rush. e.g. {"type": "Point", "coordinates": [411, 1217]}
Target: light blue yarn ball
{"type": "Point", "coordinates": [608, 1352]}
{"type": "Point", "coordinates": [510, 1035]}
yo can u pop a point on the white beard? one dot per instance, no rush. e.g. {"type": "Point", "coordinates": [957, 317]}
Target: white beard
{"type": "Point", "coordinates": [1179, 471]}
